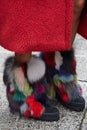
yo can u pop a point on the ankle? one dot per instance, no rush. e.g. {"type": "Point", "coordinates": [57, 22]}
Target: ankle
{"type": "Point", "coordinates": [23, 58]}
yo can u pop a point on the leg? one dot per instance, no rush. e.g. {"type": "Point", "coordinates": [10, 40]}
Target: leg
{"type": "Point", "coordinates": [26, 86]}
{"type": "Point", "coordinates": [61, 70]}
{"type": "Point", "coordinates": [61, 76]}
{"type": "Point", "coordinates": [23, 58]}
{"type": "Point", "coordinates": [78, 7]}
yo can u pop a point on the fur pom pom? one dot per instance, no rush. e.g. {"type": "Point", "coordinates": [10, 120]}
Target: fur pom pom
{"type": "Point", "coordinates": [35, 69]}
{"type": "Point", "coordinates": [58, 60]}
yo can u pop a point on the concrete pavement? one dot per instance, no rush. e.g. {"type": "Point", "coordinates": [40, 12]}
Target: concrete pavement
{"type": "Point", "coordinates": [68, 120]}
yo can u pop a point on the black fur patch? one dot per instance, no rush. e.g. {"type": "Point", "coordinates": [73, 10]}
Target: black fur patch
{"type": "Point", "coordinates": [68, 57]}
{"type": "Point", "coordinates": [10, 64]}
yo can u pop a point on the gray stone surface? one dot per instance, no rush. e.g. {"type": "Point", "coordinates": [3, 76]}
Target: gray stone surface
{"type": "Point", "coordinates": [84, 125]}
{"type": "Point", "coordinates": [68, 120]}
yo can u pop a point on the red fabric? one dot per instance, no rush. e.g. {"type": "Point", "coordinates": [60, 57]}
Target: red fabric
{"type": "Point", "coordinates": [35, 25]}
{"type": "Point", "coordinates": [49, 58]}
{"type": "Point", "coordinates": [83, 23]}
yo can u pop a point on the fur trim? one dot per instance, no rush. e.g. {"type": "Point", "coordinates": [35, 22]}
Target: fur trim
{"type": "Point", "coordinates": [35, 69]}
{"type": "Point", "coordinates": [23, 108]}
{"type": "Point", "coordinates": [19, 78]}
{"type": "Point", "coordinates": [8, 74]}
{"type": "Point", "coordinates": [72, 90]}
{"type": "Point", "coordinates": [8, 71]}
{"type": "Point", "coordinates": [58, 60]}
{"type": "Point", "coordinates": [12, 87]}
{"type": "Point", "coordinates": [68, 57]}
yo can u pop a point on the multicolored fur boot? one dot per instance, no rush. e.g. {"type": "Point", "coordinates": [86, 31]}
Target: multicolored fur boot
{"type": "Point", "coordinates": [61, 76]}
{"type": "Point", "coordinates": [26, 89]}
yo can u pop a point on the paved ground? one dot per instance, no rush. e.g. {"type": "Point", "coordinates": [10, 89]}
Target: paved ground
{"type": "Point", "coordinates": [68, 120]}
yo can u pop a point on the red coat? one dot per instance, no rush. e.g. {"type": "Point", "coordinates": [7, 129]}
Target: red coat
{"type": "Point", "coordinates": [35, 25]}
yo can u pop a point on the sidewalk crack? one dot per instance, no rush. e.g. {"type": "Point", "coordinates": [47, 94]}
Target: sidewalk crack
{"type": "Point", "coordinates": [82, 80]}
{"type": "Point", "coordinates": [83, 117]}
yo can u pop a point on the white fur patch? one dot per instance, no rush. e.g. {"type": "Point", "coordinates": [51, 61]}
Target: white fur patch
{"type": "Point", "coordinates": [19, 78]}
{"type": "Point", "coordinates": [11, 87]}
{"type": "Point", "coordinates": [58, 60]}
{"type": "Point", "coordinates": [35, 69]}
{"type": "Point", "coordinates": [23, 108]}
